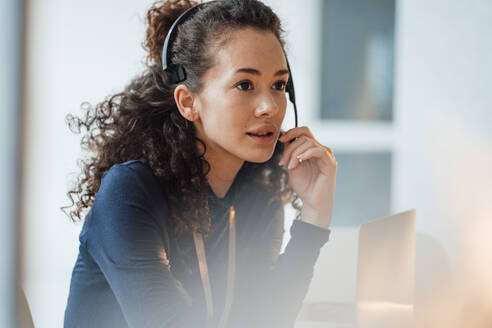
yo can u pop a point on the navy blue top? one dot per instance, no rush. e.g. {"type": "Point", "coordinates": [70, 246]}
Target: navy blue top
{"type": "Point", "coordinates": [131, 270]}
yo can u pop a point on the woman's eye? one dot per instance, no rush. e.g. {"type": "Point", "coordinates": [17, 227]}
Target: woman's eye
{"type": "Point", "coordinates": [280, 85]}
{"type": "Point", "coordinates": [245, 85]}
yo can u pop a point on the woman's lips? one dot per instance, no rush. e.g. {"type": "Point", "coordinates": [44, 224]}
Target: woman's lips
{"type": "Point", "coordinates": [262, 139]}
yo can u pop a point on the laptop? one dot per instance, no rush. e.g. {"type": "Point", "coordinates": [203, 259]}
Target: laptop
{"type": "Point", "coordinates": [364, 277]}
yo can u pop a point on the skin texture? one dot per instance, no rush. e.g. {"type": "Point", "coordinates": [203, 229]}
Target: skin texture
{"type": "Point", "coordinates": [232, 103]}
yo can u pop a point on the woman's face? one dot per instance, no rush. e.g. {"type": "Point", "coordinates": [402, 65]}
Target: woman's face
{"type": "Point", "coordinates": [243, 95]}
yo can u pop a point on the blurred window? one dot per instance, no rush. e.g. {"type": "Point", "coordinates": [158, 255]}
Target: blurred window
{"type": "Point", "coordinates": [357, 59]}
{"type": "Point", "coordinates": [363, 189]}
{"type": "Point", "coordinates": [357, 65]}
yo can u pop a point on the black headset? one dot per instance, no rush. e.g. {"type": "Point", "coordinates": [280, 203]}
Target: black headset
{"type": "Point", "coordinates": [178, 73]}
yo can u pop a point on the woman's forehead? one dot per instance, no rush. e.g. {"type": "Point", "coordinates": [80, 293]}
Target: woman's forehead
{"type": "Point", "coordinates": [250, 48]}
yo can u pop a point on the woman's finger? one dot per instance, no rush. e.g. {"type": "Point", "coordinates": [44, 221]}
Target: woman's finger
{"type": "Point", "coordinates": [294, 158]}
{"type": "Point", "coordinates": [289, 148]}
{"type": "Point", "coordinates": [324, 155]}
{"type": "Point", "coordinates": [296, 132]}
{"type": "Point", "coordinates": [332, 153]}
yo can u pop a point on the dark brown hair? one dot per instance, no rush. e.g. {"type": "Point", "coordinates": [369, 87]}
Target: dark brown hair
{"type": "Point", "coordinates": [143, 121]}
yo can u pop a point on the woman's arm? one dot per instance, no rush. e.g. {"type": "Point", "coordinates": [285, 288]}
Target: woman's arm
{"type": "Point", "coordinates": [126, 242]}
{"type": "Point", "coordinates": [277, 284]}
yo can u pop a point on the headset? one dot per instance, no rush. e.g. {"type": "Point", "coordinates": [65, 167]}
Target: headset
{"type": "Point", "coordinates": [178, 73]}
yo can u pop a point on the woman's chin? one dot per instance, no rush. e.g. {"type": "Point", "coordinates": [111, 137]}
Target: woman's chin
{"type": "Point", "coordinates": [258, 158]}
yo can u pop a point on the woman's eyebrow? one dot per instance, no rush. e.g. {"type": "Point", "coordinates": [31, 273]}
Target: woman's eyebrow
{"type": "Point", "coordinates": [257, 72]}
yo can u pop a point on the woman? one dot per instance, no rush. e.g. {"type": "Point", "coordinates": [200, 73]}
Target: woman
{"type": "Point", "coordinates": [176, 161]}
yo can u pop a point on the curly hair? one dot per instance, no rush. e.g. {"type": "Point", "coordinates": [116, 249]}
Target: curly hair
{"type": "Point", "coordinates": [143, 121]}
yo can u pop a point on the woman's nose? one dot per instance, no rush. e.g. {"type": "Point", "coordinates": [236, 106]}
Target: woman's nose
{"type": "Point", "coordinates": [267, 106]}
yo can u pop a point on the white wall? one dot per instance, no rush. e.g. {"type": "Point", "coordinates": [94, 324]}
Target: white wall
{"type": "Point", "coordinates": [443, 149]}
{"type": "Point", "coordinates": [11, 43]}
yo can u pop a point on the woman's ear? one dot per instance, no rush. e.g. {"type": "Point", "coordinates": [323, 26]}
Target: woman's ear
{"type": "Point", "coordinates": [186, 103]}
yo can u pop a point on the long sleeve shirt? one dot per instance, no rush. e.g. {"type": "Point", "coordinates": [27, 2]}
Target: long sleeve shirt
{"type": "Point", "coordinates": [132, 271]}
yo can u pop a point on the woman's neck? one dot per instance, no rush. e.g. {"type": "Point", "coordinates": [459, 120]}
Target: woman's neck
{"type": "Point", "coordinates": [224, 166]}
{"type": "Point", "coordinates": [222, 173]}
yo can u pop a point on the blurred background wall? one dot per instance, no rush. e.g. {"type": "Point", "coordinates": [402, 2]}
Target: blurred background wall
{"type": "Point", "coordinates": [410, 125]}
{"type": "Point", "coordinates": [11, 68]}
{"type": "Point", "coordinates": [444, 154]}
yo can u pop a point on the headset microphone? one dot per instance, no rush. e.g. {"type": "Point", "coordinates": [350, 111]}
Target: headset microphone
{"type": "Point", "coordinates": [178, 73]}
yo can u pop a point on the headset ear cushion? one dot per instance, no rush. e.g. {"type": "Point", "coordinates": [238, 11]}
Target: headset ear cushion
{"type": "Point", "coordinates": [178, 73]}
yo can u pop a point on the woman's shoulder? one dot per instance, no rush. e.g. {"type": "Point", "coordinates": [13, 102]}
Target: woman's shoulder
{"type": "Point", "coordinates": [129, 201]}
{"type": "Point", "coordinates": [132, 167]}
{"type": "Point", "coordinates": [130, 172]}
{"type": "Point", "coordinates": [129, 192]}
{"type": "Point", "coordinates": [131, 180]}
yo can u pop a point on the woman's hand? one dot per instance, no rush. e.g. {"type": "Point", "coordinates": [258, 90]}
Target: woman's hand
{"type": "Point", "coordinates": [312, 170]}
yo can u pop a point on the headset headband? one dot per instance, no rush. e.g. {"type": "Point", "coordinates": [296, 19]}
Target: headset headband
{"type": "Point", "coordinates": [178, 73]}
